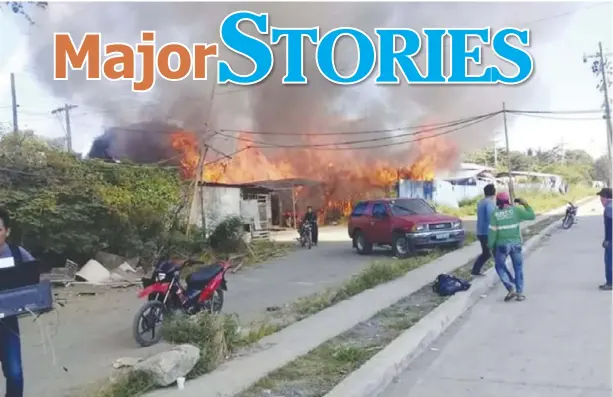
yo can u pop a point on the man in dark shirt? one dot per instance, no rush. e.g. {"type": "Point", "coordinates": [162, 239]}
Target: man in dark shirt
{"type": "Point", "coordinates": [311, 217]}
{"type": "Point", "coordinates": [605, 198]}
{"type": "Point", "coordinates": [10, 342]}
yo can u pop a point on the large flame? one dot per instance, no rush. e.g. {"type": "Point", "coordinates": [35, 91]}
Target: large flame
{"type": "Point", "coordinates": [346, 175]}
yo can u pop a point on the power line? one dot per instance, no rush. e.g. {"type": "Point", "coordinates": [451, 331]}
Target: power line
{"type": "Point", "coordinates": [552, 117]}
{"type": "Point", "coordinates": [586, 111]}
{"type": "Point", "coordinates": [379, 131]}
{"type": "Point", "coordinates": [327, 147]}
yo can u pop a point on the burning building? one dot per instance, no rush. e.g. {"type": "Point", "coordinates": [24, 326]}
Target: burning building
{"type": "Point", "coordinates": [344, 175]}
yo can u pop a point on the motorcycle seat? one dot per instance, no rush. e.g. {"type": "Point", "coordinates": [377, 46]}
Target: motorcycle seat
{"type": "Point", "coordinates": [201, 277]}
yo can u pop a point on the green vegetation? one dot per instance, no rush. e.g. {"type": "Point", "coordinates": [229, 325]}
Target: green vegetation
{"type": "Point", "coordinates": [65, 207]}
{"type": "Point", "coordinates": [130, 384]}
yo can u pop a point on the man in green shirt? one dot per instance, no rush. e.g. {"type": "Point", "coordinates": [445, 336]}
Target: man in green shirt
{"type": "Point", "coordinates": [504, 238]}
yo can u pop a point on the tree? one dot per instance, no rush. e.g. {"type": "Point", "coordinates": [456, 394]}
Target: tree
{"type": "Point", "coordinates": [575, 166]}
{"type": "Point", "coordinates": [66, 207]}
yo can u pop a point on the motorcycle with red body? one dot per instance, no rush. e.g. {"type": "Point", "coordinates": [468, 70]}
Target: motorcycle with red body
{"type": "Point", "coordinates": [165, 295]}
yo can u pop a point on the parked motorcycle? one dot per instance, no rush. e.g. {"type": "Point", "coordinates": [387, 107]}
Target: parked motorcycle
{"type": "Point", "coordinates": [306, 235]}
{"type": "Point", "coordinates": [569, 217]}
{"type": "Point", "coordinates": [165, 294]}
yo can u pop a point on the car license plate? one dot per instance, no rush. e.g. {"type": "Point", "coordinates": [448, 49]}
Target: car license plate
{"type": "Point", "coordinates": [444, 236]}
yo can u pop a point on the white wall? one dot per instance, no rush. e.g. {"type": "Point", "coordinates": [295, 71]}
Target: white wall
{"type": "Point", "coordinates": [218, 202]}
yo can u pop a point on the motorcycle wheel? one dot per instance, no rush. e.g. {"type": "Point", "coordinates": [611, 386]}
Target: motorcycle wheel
{"type": "Point", "coordinates": [568, 222]}
{"type": "Point", "coordinates": [148, 321]}
{"type": "Point", "coordinates": [215, 304]}
{"type": "Point", "coordinates": [310, 243]}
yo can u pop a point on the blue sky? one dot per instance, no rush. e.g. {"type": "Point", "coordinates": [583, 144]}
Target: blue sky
{"type": "Point", "coordinates": [570, 83]}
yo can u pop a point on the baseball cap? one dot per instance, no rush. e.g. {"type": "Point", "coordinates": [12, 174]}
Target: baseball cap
{"type": "Point", "coordinates": [503, 196]}
{"type": "Point", "coordinates": [606, 192]}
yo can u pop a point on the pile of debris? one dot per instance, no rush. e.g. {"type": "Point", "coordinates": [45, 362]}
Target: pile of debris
{"type": "Point", "coordinates": [105, 270]}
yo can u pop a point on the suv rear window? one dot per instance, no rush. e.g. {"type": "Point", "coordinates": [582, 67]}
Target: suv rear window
{"type": "Point", "coordinates": [359, 209]}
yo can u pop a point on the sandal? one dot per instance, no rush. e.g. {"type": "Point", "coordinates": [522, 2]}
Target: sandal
{"type": "Point", "coordinates": [511, 295]}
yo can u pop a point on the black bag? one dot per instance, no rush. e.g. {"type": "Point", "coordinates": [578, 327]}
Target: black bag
{"type": "Point", "coordinates": [447, 285]}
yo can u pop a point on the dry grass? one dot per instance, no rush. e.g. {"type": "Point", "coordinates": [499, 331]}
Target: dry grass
{"type": "Point", "coordinates": [541, 202]}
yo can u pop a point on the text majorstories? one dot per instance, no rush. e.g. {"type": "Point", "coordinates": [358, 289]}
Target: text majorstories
{"type": "Point", "coordinates": [390, 55]}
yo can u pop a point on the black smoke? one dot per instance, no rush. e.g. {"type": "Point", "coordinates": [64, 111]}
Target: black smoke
{"type": "Point", "coordinates": [148, 142]}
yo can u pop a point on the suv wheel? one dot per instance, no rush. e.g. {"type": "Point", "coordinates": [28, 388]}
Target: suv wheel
{"type": "Point", "coordinates": [400, 246]}
{"type": "Point", "coordinates": [361, 245]}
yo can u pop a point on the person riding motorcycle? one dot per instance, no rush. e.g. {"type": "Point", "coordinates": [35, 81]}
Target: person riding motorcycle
{"type": "Point", "coordinates": [311, 217]}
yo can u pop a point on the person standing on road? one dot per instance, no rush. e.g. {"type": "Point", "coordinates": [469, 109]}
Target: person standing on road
{"type": "Point", "coordinates": [505, 240]}
{"type": "Point", "coordinates": [606, 195]}
{"type": "Point", "coordinates": [485, 208]}
{"type": "Point", "coordinates": [10, 342]}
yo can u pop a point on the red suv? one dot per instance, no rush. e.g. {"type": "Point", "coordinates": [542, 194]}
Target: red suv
{"type": "Point", "coordinates": [405, 224]}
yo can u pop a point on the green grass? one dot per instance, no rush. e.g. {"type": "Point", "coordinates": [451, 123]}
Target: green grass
{"type": "Point", "coordinates": [540, 201]}
{"type": "Point", "coordinates": [130, 384]}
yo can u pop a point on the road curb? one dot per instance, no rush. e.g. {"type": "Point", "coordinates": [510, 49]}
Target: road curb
{"type": "Point", "coordinates": [379, 372]}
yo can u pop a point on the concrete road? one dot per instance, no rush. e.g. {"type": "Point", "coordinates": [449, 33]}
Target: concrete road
{"type": "Point", "coordinates": [96, 330]}
{"type": "Point", "coordinates": [557, 343]}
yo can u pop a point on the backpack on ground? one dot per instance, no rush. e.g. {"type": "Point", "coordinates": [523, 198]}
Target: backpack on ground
{"type": "Point", "coordinates": [447, 285]}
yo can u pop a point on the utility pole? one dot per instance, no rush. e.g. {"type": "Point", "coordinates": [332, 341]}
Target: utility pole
{"type": "Point", "coordinates": [14, 104]}
{"type": "Point", "coordinates": [601, 66]}
{"type": "Point", "coordinates": [506, 138]}
{"type": "Point", "coordinates": [495, 154]}
{"type": "Point", "coordinates": [66, 109]}
{"type": "Point", "coordinates": [204, 148]}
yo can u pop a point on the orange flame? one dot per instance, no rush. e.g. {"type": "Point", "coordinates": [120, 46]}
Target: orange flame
{"type": "Point", "coordinates": [346, 175]}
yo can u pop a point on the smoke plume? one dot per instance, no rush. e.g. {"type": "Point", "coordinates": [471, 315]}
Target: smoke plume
{"type": "Point", "coordinates": [270, 106]}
